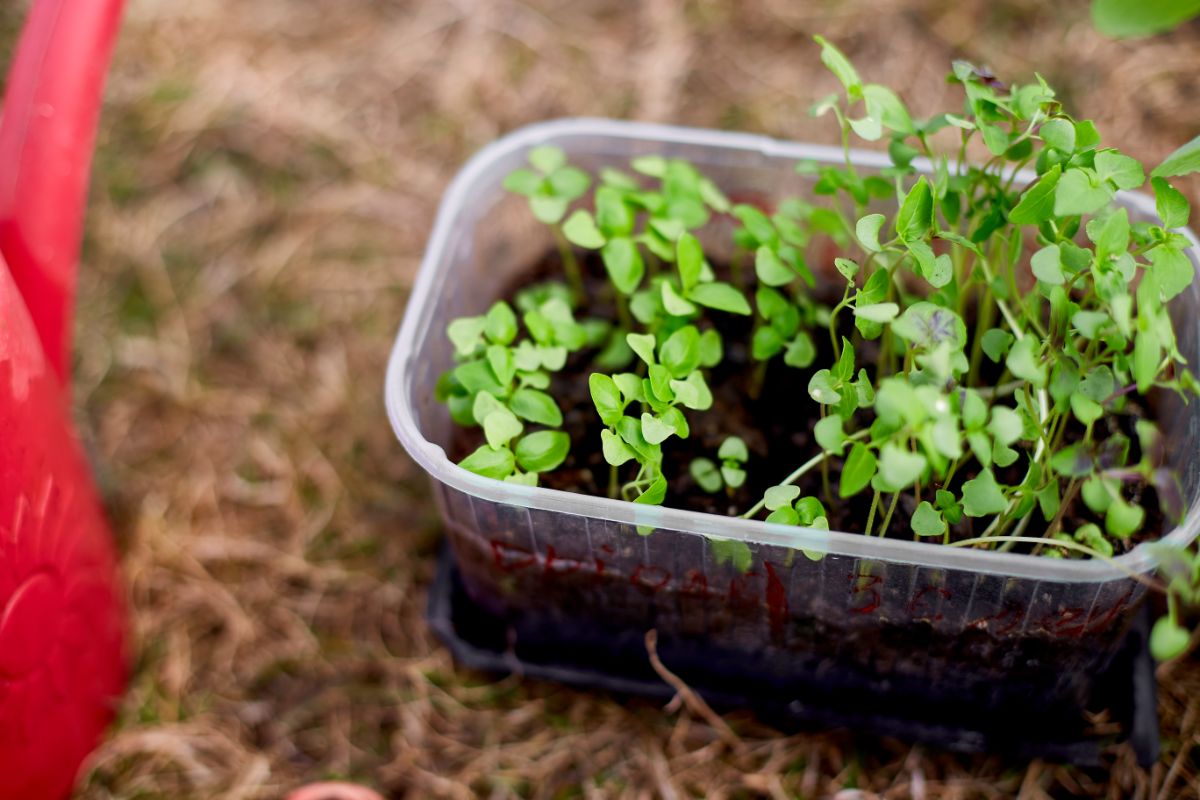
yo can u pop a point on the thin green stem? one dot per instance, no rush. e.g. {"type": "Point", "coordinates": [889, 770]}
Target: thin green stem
{"type": "Point", "coordinates": [924, 140]}
{"type": "Point", "coordinates": [871, 513]}
{"type": "Point", "coordinates": [958, 261]}
{"type": "Point", "coordinates": [885, 342]}
{"type": "Point", "coordinates": [1016, 169]}
{"type": "Point", "coordinates": [887, 520]}
{"type": "Point", "coordinates": [1019, 333]}
{"type": "Point", "coordinates": [845, 141]}
{"type": "Point", "coordinates": [1059, 427]}
{"type": "Point", "coordinates": [624, 318]}
{"type": "Point", "coordinates": [1056, 523]}
{"type": "Point", "coordinates": [953, 469]}
{"type": "Point", "coordinates": [737, 273]}
{"type": "Point", "coordinates": [759, 379]}
{"type": "Point", "coordinates": [983, 322]}
{"type": "Point", "coordinates": [833, 337]}
{"type": "Point", "coordinates": [1005, 311]}
{"type": "Point", "coordinates": [570, 266]}
{"type": "Point", "coordinates": [825, 471]}
{"type": "Point", "coordinates": [802, 469]}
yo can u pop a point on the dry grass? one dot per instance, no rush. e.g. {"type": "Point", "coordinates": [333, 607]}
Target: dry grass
{"type": "Point", "coordinates": [267, 175]}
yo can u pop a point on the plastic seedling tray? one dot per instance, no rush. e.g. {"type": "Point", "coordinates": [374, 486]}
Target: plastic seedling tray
{"type": "Point", "coordinates": [1125, 693]}
{"type": "Point", "coordinates": [949, 627]}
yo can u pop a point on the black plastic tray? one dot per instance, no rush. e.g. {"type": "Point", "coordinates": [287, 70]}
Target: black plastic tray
{"type": "Point", "coordinates": [618, 664]}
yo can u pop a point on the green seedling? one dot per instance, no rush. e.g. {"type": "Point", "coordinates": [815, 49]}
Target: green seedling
{"type": "Point", "coordinates": [550, 185]}
{"type": "Point", "coordinates": [730, 475]}
{"type": "Point", "coordinates": [995, 326]}
{"type": "Point", "coordinates": [500, 385]}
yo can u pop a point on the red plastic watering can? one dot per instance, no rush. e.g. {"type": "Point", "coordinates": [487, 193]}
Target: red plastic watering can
{"type": "Point", "coordinates": [62, 656]}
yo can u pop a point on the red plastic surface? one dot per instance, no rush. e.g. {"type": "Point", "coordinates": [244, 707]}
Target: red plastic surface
{"type": "Point", "coordinates": [62, 661]}
{"type": "Point", "coordinates": [62, 657]}
{"type": "Point", "coordinates": [47, 134]}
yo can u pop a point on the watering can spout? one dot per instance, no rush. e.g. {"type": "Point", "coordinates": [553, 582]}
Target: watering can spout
{"type": "Point", "coordinates": [47, 133]}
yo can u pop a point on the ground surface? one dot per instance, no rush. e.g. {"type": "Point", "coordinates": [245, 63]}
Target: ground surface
{"type": "Point", "coordinates": [267, 176]}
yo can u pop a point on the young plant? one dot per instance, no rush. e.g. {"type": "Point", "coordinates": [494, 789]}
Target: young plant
{"type": "Point", "coordinates": [674, 381]}
{"type": "Point", "coordinates": [499, 385]}
{"type": "Point", "coordinates": [550, 186]}
{"type": "Point", "coordinates": [979, 327]}
{"type": "Point", "coordinates": [1180, 570]}
{"type": "Point", "coordinates": [1062, 348]}
{"type": "Point", "coordinates": [730, 475]}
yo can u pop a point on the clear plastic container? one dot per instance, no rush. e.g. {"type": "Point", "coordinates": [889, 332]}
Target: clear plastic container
{"type": "Point", "coordinates": [982, 625]}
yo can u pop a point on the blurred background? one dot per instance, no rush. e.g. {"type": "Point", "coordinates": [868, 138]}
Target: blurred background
{"type": "Point", "coordinates": [268, 172]}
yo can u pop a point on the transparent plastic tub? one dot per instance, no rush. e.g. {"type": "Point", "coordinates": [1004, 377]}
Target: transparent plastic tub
{"type": "Point", "coordinates": [563, 567]}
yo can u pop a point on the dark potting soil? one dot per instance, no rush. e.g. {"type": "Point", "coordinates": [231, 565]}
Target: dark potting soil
{"type": "Point", "coordinates": [774, 415]}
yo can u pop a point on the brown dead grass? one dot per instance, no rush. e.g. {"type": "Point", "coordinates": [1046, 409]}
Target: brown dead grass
{"type": "Point", "coordinates": [268, 172]}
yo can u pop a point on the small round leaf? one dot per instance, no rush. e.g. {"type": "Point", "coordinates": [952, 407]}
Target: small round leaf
{"type": "Point", "coordinates": [542, 451]}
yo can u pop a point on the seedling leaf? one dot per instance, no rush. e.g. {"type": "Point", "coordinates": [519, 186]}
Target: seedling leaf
{"type": "Point", "coordinates": [1183, 161]}
{"type": "Point", "coordinates": [490, 462]}
{"type": "Point", "coordinates": [982, 496]}
{"type": "Point", "coordinates": [720, 296]}
{"type": "Point", "coordinates": [778, 497]}
{"type": "Point", "coordinates": [580, 229]}
{"type": "Point", "coordinates": [536, 406]}
{"type": "Point", "coordinates": [706, 474]}
{"type": "Point", "coordinates": [858, 471]}
{"type": "Point", "coordinates": [927, 521]}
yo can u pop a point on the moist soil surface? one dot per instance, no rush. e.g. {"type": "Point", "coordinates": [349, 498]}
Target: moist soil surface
{"type": "Point", "coordinates": [774, 415]}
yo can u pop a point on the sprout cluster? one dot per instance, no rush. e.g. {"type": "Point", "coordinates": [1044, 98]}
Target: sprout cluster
{"type": "Point", "coordinates": [985, 356]}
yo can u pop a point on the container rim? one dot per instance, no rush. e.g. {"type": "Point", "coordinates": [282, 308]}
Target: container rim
{"type": "Point", "coordinates": [432, 458]}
